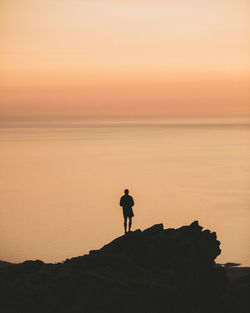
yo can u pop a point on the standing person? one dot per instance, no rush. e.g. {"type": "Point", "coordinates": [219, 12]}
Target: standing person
{"type": "Point", "coordinates": [127, 202]}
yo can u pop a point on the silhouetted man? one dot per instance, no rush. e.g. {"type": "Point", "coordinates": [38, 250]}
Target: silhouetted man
{"type": "Point", "coordinates": [127, 202]}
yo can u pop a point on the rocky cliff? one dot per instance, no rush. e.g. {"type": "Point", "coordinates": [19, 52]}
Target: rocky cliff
{"type": "Point", "coordinates": [150, 271]}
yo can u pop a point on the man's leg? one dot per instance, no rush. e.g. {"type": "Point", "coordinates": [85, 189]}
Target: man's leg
{"type": "Point", "coordinates": [130, 222]}
{"type": "Point", "coordinates": [125, 224]}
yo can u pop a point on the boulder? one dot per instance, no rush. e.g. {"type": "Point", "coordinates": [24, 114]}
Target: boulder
{"type": "Point", "coordinates": [155, 270]}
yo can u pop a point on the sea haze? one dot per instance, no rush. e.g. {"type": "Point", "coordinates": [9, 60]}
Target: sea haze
{"type": "Point", "coordinates": [62, 181]}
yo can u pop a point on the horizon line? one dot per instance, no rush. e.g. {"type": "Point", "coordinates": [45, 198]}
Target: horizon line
{"type": "Point", "coordinates": [218, 121]}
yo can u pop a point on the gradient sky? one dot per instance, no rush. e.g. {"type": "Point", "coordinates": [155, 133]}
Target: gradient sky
{"type": "Point", "coordinates": [113, 58]}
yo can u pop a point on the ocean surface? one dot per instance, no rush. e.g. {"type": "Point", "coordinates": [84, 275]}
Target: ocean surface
{"type": "Point", "coordinates": [61, 183]}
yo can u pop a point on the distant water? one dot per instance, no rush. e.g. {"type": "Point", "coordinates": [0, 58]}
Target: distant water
{"type": "Point", "coordinates": [61, 183]}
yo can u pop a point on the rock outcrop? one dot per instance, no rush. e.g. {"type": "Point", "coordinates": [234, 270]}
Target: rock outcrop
{"type": "Point", "coordinates": [150, 271]}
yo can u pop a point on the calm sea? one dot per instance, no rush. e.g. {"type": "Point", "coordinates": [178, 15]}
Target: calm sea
{"type": "Point", "coordinates": [61, 183]}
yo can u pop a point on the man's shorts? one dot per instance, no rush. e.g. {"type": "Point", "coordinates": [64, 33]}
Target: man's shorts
{"type": "Point", "coordinates": [128, 212]}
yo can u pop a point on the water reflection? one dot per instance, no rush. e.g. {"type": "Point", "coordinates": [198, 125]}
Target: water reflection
{"type": "Point", "coordinates": [61, 186]}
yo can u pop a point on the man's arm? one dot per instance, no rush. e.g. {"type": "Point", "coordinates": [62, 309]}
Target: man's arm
{"type": "Point", "coordinates": [121, 202]}
{"type": "Point", "coordinates": [132, 201]}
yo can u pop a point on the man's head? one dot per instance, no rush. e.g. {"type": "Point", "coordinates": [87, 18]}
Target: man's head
{"type": "Point", "coordinates": [126, 191]}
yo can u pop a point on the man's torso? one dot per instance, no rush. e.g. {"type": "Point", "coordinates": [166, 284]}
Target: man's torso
{"type": "Point", "coordinates": [126, 201]}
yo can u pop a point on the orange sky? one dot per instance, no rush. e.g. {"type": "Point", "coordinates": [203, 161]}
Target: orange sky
{"type": "Point", "coordinates": [113, 58]}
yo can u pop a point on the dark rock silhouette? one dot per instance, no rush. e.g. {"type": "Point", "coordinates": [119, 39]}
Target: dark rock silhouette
{"type": "Point", "coordinates": [3, 263]}
{"type": "Point", "coordinates": [230, 264]}
{"type": "Point", "coordinates": [237, 297]}
{"type": "Point", "coordinates": [148, 271]}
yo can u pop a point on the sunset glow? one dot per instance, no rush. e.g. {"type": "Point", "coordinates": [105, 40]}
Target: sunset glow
{"type": "Point", "coordinates": [101, 95]}
{"type": "Point", "coordinates": [77, 59]}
